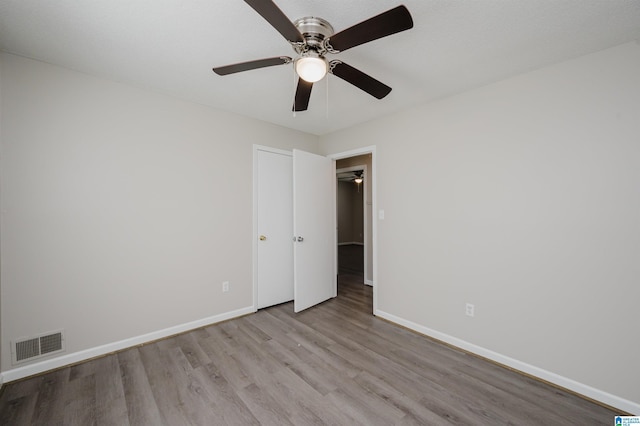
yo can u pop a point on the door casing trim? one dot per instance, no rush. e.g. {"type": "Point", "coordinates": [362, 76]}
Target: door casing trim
{"type": "Point", "coordinates": [374, 208]}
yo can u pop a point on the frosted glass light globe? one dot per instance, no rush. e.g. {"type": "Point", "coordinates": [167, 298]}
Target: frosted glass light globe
{"type": "Point", "coordinates": [311, 68]}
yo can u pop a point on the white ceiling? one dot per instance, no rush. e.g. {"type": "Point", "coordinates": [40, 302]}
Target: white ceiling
{"type": "Point", "coordinates": [170, 46]}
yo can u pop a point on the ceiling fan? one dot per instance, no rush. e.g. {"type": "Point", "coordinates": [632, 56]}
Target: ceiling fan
{"type": "Point", "coordinates": [312, 38]}
{"type": "Point", "coordinates": [356, 176]}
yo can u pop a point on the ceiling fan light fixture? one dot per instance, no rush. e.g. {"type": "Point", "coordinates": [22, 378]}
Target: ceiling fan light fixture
{"type": "Point", "coordinates": [311, 68]}
{"type": "Point", "coordinates": [312, 37]}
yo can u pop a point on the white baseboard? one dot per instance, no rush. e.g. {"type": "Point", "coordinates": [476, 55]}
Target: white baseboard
{"type": "Point", "coordinates": [368, 282]}
{"type": "Point", "coordinates": [64, 360]}
{"type": "Point", "coordinates": [580, 388]}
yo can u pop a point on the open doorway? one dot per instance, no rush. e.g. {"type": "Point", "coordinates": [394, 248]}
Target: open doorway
{"type": "Point", "coordinates": [350, 202]}
{"type": "Point", "coordinates": [354, 210]}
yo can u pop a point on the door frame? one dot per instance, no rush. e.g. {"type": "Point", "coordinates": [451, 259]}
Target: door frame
{"type": "Point", "coordinates": [254, 232]}
{"type": "Point", "coordinates": [374, 208]}
{"type": "Point", "coordinates": [365, 219]}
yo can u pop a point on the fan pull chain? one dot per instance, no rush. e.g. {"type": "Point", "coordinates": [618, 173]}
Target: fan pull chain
{"type": "Point", "coordinates": [295, 87]}
{"type": "Point", "coordinates": [327, 86]}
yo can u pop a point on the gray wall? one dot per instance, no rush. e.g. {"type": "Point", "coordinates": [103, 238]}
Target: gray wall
{"type": "Point", "coordinates": [524, 201]}
{"type": "Point", "coordinates": [123, 211]}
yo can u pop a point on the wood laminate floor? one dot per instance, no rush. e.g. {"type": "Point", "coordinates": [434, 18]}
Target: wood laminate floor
{"type": "Point", "coordinates": [332, 364]}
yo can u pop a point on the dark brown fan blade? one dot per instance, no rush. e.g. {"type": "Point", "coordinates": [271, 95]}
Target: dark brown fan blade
{"type": "Point", "coordinates": [278, 20]}
{"type": "Point", "coordinates": [252, 65]}
{"type": "Point", "coordinates": [387, 23]}
{"type": "Point", "coordinates": [359, 79]}
{"type": "Point", "coordinates": [303, 93]}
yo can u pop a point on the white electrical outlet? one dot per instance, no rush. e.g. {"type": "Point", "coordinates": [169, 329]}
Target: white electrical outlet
{"type": "Point", "coordinates": [225, 286]}
{"type": "Point", "coordinates": [469, 310]}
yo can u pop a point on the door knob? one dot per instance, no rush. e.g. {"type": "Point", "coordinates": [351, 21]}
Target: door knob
{"type": "Point", "coordinates": [262, 237]}
{"type": "Point", "coordinates": [300, 239]}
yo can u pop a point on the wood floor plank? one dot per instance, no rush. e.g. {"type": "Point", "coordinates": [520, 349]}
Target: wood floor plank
{"type": "Point", "coordinates": [80, 407]}
{"type": "Point", "coordinates": [111, 406]}
{"type": "Point", "coordinates": [192, 350]}
{"type": "Point", "coordinates": [18, 411]}
{"type": "Point", "coordinates": [283, 313]}
{"type": "Point", "coordinates": [162, 376]}
{"type": "Point", "coordinates": [228, 407]}
{"type": "Point", "coordinates": [228, 366]}
{"type": "Point", "coordinates": [198, 405]}
{"type": "Point", "coordinates": [253, 359]}
{"type": "Point", "coordinates": [358, 409]}
{"type": "Point", "coordinates": [268, 321]}
{"type": "Point", "coordinates": [286, 355]}
{"type": "Point", "coordinates": [20, 388]}
{"type": "Point", "coordinates": [253, 331]}
{"type": "Point", "coordinates": [412, 409]}
{"type": "Point", "coordinates": [263, 406]}
{"type": "Point", "coordinates": [332, 364]}
{"type": "Point", "coordinates": [347, 366]}
{"type": "Point", "coordinates": [141, 405]}
{"type": "Point", "coordinates": [294, 396]}
{"type": "Point", "coordinates": [51, 400]}
{"type": "Point", "coordinates": [224, 339]}
{"type": "Point", "coordinates": [318, 374]}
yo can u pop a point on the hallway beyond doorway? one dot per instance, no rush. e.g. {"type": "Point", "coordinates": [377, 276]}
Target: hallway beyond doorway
{"type": "Point", "coordinates": [351, 260]}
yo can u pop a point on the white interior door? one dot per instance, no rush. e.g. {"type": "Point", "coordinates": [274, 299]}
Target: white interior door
{"type": "Point", "coordinates": [274, 228]}
{"type": "Point", "coordinates": [314, 226]}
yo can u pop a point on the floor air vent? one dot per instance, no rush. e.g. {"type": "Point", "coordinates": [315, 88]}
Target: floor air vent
{"type": "Point", "coordinates": [31, 348]}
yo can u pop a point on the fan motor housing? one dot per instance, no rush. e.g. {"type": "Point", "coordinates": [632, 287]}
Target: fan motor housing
{"type": "Point", "coordinates": [314, 30]}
